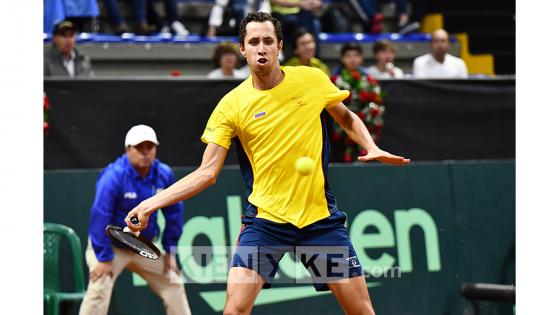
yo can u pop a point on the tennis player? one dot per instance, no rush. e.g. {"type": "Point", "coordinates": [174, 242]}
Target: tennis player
{"type": "Point", "coordinates": [275, 117]}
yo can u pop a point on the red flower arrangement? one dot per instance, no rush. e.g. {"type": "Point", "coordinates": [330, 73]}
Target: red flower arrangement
{"type": "Point", "coordinates": [46, 108]}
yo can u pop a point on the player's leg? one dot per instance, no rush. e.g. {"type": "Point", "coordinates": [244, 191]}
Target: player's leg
{"type": "Point", "coordinates": [260, 246]}
{"type": "Point", "coordinates": [242, 289]}
{"type": "Point", "coordinates": [329, 236]}
{"type": "Point", "coordinates": [353, 296]}
{"type": "Point", "coordinates": [98, 294]}
{"type": "Point", "coordinates": [167, 286]}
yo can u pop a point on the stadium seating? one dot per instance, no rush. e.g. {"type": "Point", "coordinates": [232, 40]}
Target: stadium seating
{"type": "Point", "coordinates": [159, 55]}
{"type": "Point", "coordinates": [484, 40]}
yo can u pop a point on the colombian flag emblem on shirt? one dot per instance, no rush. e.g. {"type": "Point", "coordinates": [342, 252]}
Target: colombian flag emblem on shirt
{"type": "Point", "coordinates": [259, 115]}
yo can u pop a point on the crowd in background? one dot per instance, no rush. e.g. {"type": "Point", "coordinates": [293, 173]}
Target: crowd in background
{"type": "Point", "coordinates": [300, 27]}
{"type": "Point", "coordinates": [225, 15]}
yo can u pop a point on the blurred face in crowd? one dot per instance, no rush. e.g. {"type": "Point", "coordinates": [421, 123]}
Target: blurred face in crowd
{"type": "Point", "coordinates": [305, 47]}
{"type": "Point", "coordinates": [228, 61]}
{"type": "Point", "coordinates": [385, 56]}
{"type": "Point", "coordinates": [65, 41]}
{"type": "Point", "coordinates": [352, 60]}
{"type": "Point", "coordinates": [261, 47]}
{"type": "Point", "coordinates": [439, 43]}
{"type": "Point", "coordinates": [141, 156]}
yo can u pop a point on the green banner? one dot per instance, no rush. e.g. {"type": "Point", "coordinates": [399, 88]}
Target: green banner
{"type": "Point", "coordinates": [419, 232]}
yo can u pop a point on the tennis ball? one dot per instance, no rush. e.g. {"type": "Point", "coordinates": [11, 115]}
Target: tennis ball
{"type": "Point", "coordinates": [304, 165]}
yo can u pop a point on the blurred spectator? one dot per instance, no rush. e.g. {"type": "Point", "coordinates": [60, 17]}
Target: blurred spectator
{"type": "Point", "coordinates": [294, 14]}
{"type": "Point", "coordinates": [365, 100]}
{"type": "Point", "coordinates": [438, 63]}
{"type": "Point", "coordinates": [172, 23]}
{"type": "Point", "coordinates": [304, 51]}
{"type": "Point", "coordinates": [367, 13]}
{"type": "Point", "coordinates": [77, 11]}
{"type": "Point", "coordinates": [119, 27]}
{"type": "Point", "coordinates": [373, 22]}
{"type": "Point", "coordinates": [384, 68]}
{"type": "Point", "coordinates": [411, 23]}
{"type": "Point", "coordinates": [225, 59]}
{"type": "Point", "coordinates": [63, 59]}
{"type": "Point", "coordinates": [232, 12]}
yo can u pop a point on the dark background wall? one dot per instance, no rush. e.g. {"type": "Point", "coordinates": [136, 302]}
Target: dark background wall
{"type": "Point", "coordinates": [425, 119]}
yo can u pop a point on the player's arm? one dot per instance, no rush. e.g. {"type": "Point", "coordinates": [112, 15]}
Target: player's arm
{"type": "Point", "coordinates": [357, 131]}
{"type": "Point", "coordinates": [203, 177]}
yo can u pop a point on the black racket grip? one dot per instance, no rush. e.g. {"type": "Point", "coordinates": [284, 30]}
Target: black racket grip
{"type": "Point", "coordinates": [134, 220]}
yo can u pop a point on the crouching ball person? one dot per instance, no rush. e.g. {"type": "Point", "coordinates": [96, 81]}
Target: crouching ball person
{"type": "Point", "coordinates": [121, 186]}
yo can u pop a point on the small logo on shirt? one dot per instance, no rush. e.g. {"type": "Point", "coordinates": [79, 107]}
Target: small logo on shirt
{"type": "Point", "coordinates": [299, 100]}
{"type": "Point", "coordinates": [259, 115]}
{"type": "Point", "coordinates": [130, 195]}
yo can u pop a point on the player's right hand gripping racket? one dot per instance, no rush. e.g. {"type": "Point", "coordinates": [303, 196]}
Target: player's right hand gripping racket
{"type": "Point", "coordinates": [128, 239]}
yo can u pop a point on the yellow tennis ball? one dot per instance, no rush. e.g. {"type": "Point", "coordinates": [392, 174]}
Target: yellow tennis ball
{"type": "Point", "coordinates": [304, 165]}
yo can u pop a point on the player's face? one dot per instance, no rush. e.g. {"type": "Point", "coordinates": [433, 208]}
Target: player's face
{"type": "Point", "coordinates": [305, 46]}
{"type": "Point", "coordinates": [261, 47]}
{"type": "Point", "coordinates": [142, 155]}
{"type": "Point", "coordinates": [352, 60]}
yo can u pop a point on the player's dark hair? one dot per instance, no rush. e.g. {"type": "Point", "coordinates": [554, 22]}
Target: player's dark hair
{"type": "Point", "coordinates": [350, 47]}
{"type": "Point", "coordinates": [260, 17]}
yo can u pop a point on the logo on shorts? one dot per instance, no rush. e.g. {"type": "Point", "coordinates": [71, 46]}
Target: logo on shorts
{"type": "Point", "coordinates": [353, 261]}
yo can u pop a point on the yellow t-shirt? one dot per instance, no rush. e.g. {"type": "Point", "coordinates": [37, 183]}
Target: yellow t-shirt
{"type": "Point", "coordinates": [315, 63]}
{"type": "Point", "coordinates": [273, 128]}
{"type": "Point", "coordinates": [285, 10]}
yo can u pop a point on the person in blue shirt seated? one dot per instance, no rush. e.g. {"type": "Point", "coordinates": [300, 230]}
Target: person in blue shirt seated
{"type": "Point", "coordinates": [121, 186]}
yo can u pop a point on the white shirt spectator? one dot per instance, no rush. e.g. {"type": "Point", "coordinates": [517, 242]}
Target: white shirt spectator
{"type": "Point", "coordinates": [218, 74]}
{"type": "Point", "coordinates": [427, 66]}
{"type": "Point", "coordinates": [378, 74]}
{"type": "Point", "coordinates": [69, 64]}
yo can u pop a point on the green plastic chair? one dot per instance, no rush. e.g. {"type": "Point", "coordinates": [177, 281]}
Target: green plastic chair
{"type": "Point", "coordinates": [52, 234]}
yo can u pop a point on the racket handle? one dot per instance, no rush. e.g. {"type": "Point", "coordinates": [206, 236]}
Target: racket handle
{"type": "Point", "coordinates": [134, 220]}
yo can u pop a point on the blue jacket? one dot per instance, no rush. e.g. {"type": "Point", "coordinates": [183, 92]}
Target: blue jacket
{"type": "Point", "coordinates": [118, 190]}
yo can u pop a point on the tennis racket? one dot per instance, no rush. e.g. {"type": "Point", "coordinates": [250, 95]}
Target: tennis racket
{"type": "Point", "coordinates": [137, 244]}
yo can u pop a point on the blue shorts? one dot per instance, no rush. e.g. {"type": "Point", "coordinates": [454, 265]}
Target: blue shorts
{"type": "Point", "coordinates": [323, 247]}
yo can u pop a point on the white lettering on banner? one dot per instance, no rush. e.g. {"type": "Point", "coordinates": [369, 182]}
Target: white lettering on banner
{"type": "Point", "coordinates": [215, 230]}
{"type": "Point", "coordinates": [386, 237]}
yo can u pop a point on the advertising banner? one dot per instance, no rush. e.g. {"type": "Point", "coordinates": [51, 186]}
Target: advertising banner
{"type": "Point", "coordinates": [419, 232]}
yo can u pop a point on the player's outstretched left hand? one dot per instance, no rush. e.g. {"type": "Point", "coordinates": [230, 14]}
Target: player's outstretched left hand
{"type": "Point", "coordinates": [383, 157]}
